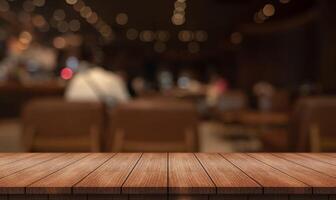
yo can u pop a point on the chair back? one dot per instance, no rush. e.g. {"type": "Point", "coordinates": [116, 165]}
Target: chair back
{"type": "Point", "coordinates": [58, 125]}
{"type": "Point", "coordinates": [314, 124]}
{"type": "Point", "coordinates": [154, 125]}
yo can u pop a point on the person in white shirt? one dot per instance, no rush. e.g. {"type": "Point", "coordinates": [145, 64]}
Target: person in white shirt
{"type": "Point", "coordinates": [97, 84]}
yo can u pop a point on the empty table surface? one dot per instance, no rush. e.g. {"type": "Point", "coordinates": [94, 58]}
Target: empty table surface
{"type": "Point", "coordinates": [167, 176]}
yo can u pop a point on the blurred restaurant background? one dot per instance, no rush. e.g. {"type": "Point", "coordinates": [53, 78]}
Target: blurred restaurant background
{"type": "Point", "coordinates": [168, 75]}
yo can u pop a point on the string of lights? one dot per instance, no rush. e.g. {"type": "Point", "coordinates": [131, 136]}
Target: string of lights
{"type": "Point", "coordinates": [92, 18]}
{"type": "Point", "coordinates": [178, 17]}
{"type": "Point", "coordinates": [60, 21]}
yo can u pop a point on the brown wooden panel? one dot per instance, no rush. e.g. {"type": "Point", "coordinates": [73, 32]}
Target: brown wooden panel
{"type": "Point", "coordinates": [188, 197]}
{"type": "Point", "coordinates": [16, 183]}
{"type": "Point", "coordinates": [11, 168]}
{"type": "Point", "coordinates": [3, 197]}
{"type": "Point", "coordinates": [321, 157]}
{"type": "Point", "coordinates": [268, 197]}
{"type": "Point", "coordinates": [107, 197]}
{"type": "Point", "coordinates": [308, 197]}
{"type": "Point", "coordinates": [12, 157]}
{"type": "Point", "coordinates": [5, 154]}
{"type": "Point", "coordinates": [67, 197]}
{"type": "Point", "coordinates": [273, 181]}
{"type": "Point", "coordinates": [332, 197]}
{"type": "Point", "coordinates": [187, 176]}
{"type": "Point", "coordinates": [321, 183]}
{"type": "Point", "coordinates": [28, 197]}
{"type": "Point", "coordinates": [149, 176]}
{"type": "Point", "coordinates": [330, 154]}
{"type": "Point", "coordinates": [228, 197]}
{"type": "Point", "coordinates": [319, 166]}
{"type": "Point", "coordinates": [62, 181]}
{"type": "Point", "coordinates": [148, 197]}
{"type": "Point", "coordinates": [227, 178]}
{"type": "Point", "coordinates": [109, 178]}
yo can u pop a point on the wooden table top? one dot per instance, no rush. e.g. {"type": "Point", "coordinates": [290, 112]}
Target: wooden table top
{"type": "Point", "coordinates": [165, 174]}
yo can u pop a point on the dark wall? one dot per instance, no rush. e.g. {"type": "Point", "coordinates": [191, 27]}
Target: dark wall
{"type": "Point", "coordinates": [286, 57]}
{"type": "Point", "coordinates": [327, 70]}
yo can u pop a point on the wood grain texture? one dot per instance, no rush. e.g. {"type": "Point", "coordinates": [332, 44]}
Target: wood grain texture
{"type": "Point", "coordinates": [188, 197]}
{"type": "Point", "coordinates": [316, 165]}
{"type": "Point", "coordinates": [321, 183]}
{"type": "Point", "coordinates": [310, 197]}
{"type": "Point", "coordinates": [228, 197]}
{"type": "Point", "coordinates": [227, 178]}
{"type": "Point", "coordinates": [11, 168]}
{"type": "Point", "coordinates": [3, 197]}
{"type": "Point", "coordinates": [67, 197]}
{"type": "Point", "coordinates": [16, 183]}
{"type": "Point", "coordinates": [150, 176]}
{"type": "Point", "coordinates": [184, 176]}
{"type": "Point", "coordinates": [148, 197]}
{"type": "Point", "coordinates": [27, 197]}
{"type": "Point", "coordinates": [107, 197]}
{"type": "Point", "coordinates": [330, 154]}
{"type": "Point", "coordinates": [62, 181]}
{"type": "Point", "coordinates": [272, 180]}
{"type": "Point", "coordinates": [320, 157]}
{"type": "Point", "coordinates": [109, 178]}
{"type": "Point", "coordinates": [187, 176]}
{"type": "Point", "coordinates": [269, 197]}
{"type": "Point", "coordinates": [6, 158]}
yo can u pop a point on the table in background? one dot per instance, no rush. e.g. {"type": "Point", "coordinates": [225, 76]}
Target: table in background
{"type": "Point", "coordinates": [167, 175]}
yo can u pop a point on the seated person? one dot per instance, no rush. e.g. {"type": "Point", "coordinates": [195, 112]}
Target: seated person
{"type": "Point", "coordinates": [97, 84]}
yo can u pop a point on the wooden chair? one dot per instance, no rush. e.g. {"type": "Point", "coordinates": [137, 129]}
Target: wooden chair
{"type": "Point", "coordinates": [157, 126]}
{"type": "Point", "coordinates": [57, 125]}
{"type": "Point", "coordinates": [314, 124]}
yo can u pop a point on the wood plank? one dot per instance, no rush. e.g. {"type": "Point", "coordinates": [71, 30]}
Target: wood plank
{"type": "Point", "coordinates": [109, 178]}
{"type": "Point", "coordinates": [316, 165]}
{"type": "Point", "coordinates": [27, 197]}
{"type": "Point", "coordinates": [12, 157]}
{"type": "Point", "coordinates": [3, 197]}
{"type": "Point", "coordinates": [187, 176]}
{"type": "Point", "coordinates": [272, 180]}
{"type": "Point", "coordinates": [321, 157]}
{"type": "Point", "coordinates": [321, 183]}
{"type": "Point", "coordinates": [5, 154]}
{"type": "Point", "coordinates": [16, 183]}
{"type": "Point", "coordinates": [227, 178]}
{"type": "Point", "coordinates": [107, 197]}
{"type": "Point", "coordinates": [67, 197]}
{"type": "Point", "coordinates": [228, 197]}
{"type": "Point", "coordinates": [309, 197]}
{"type": "Point", "coordinates": [149, 176]}
{"type": "Point", "coordinates": [62, 181]}
{"type": "Point", "coordinates": [331, 154]}
{"type": "Point", "coordinates": [188, 197]}
{"type": "Point", "coordinates": [148, 197]}
{"type": "Point", "coordinates": [269, 197]}
{"type": "Point", "coordinates": [11, 168]}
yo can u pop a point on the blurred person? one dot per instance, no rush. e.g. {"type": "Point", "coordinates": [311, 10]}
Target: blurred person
{"type": "Point", "coordinates": [186, 81]}
{"type": "Point", "coordinates": [25, 59]}
{"type": "Point", "coordinates": [264, 92]}
{"type": "Point", "coordinates": [218, 85]}
{"type": "Point", "coordinates": [94, 83]}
